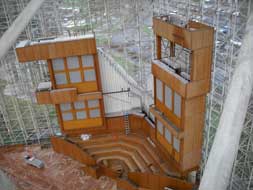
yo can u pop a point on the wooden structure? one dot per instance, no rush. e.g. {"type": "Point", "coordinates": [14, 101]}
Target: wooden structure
{"type": "Point", "coordinates": [144, 161]}
{"type": "Point", "coordinates": [179, 107]}
{"type": "Point", "coordinates": [75, 80]}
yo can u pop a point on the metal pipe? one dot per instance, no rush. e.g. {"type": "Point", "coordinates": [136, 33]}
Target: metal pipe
{"type": "Point", "coordinates": [11, 35]}
{"type": "Point", "coordinates": [223, 153]}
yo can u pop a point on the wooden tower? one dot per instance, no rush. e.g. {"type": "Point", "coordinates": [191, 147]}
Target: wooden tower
{"type": "Point", "coordinates": [75, 87]}
{"type": "Point", "coordinates": [179, 107]}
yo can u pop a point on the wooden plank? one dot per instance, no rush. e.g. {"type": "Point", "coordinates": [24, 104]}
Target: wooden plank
{"type": "Point", "coordinates": [201, 61]}
{"type": "Point", "coordinates": [82, 87]}
{"type": "Point", "coordinates": [158, 182]}
{"type": "Point", "coordinates": [62, 146]}
{"type": "Point", "coordinates": [194, 124]}
{"type": "Point", "coordinates": [52, 50]}
{"type": "Point", "coordinates": [43, 97]}
{"type": "Point", "coordinates": [65, 95]}
{"type": "Point", "coordinates": [86, 123]}
{"type": "Point", "coordinates": [172, 32]}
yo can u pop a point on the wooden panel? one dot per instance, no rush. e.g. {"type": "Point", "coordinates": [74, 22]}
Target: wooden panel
{"type": "Point", "coordinates": [53, 50]}
{"type": "Point", "coordinates": [172, 32]}
{"type": "Point", "coordinates": [64, 147]}
{"type": "Point", "coordinates": [194, 123]}
{"type": "Point", "coordinates": [158, 182]}
{"type": "Point", "coordinates": [201, 64]}
{"type": "Point", "coordinates": [81, 87]}
{"type": "Point", "coordinates": [196, 37]}
{"type": "Point", "coordinates": [135, 122]}
{"type": "Point", "coordinates": [169, 79]}
{"type": "Point", "coordinates": [79, 124]}
{"type": "Point", "coordinates": [197, 88]}
{"type": "Point", "coordinates": [43, 97]}
{"type": "Point", "coordinates": [63, 95]}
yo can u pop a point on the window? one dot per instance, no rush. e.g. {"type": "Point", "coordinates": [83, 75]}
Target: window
{"type": "Point", "coordinates": [159, 90]}
{"type": "Point", "coordinates": [75, 76]}
{"type": "Point", "coordinates": [168, 97]}
{"type": "Point", "coordinates": [81, 115]}
{"type": "Point", "coordinates": [87, 61]}
{"type": "Point", "coordinates": [160, 127]}
{"type": "Point", "coordinates": [89, 75]}
{"type": "Point", "coordinates": [177, 104]}
{"type": "Point", "coordinates": [176, 144]}
{"type": "Point", "coordinates": [67, 116]}
{"type": "Point", "coordinates": [94, 113]}
{"type": "Point", "coordinates": [58, 64]}
{"type": "Point", "coordinates": [65, 107]}
{"type": "Point", "coordinates": [60, 78]}
{"type": "Point", "coordinates": [79, 105]}
{"type": "Point", "coordinates": [168, 135]}
{"type": "Point", "coordinates": [93, 103]}
{"type": "Point", "coordinates": [72, 62]}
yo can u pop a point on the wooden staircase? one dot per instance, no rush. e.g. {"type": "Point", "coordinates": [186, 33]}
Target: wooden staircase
{"type": "Point", "coordinates": [137, 154]}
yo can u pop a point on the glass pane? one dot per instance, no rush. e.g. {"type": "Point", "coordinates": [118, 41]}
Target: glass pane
{"type": "Point", "coordinates": [93, 103]}
{"type": "Point", "coordinates": [67, 116]}
{"type": "Point", "coordinates": [75, 76]}
{"type": "Point", "coordinates": [60, 78]}
{"type": "Point", "coordinates": [89, 75]}
{"type": "Point", "coordinates": [159, 90]}
{"type": "Point", "coordinates": [160, 127]}
{"type": "Point", "coordinates": [72, 62]}
{"type": "Point", "coordinates": [94, 113]}
{"type": "Point", "coordinates": [177, 104]}
{"type": "Point", "coordinates": [168, 135]}
{"type": "Point", "coordinates": [58, 64]}
{"type": "Point", "coordinates": [81, 115]}
{"type": "Point", "coordinates": [168, 97]}
{"type": "Point", "coordinates": [65, 107]}
{"type": "Point", "coordinates": [87, 61]}
{"type": "Point", "coordinates": [79, 105]}
{"type": "Point", "coordinates": [176, 144]}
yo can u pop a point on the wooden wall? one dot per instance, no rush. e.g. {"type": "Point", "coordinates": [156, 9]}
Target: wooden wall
{"type": "Point", "coordinates": [158, 182]}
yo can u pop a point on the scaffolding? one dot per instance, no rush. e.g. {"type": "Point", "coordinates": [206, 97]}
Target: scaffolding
{"type": "Point", "coordinates": [123, 30]}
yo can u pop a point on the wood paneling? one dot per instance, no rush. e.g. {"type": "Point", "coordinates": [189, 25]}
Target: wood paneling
{"type": "Point", "coordinates": [194, 124]}
{"type": "Point", "coordinates": [43, 97]}
{"type": "Point", "coordinates": [201, 60]}
{"type": "Point", "coordinates": [158, 182]}
{"type": "Point", "coordinates": [63, 95]}
{"type": "Point", "coordinates": [64, 147]}
{"type": "Point", "coordinates": [52, 50]}
{"type": "Point", "coordinates": [192, 38]}
{"type": "Point", "coordinates": [86, 123]}
{"type": "Point", "coordinates": [82, 87]}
